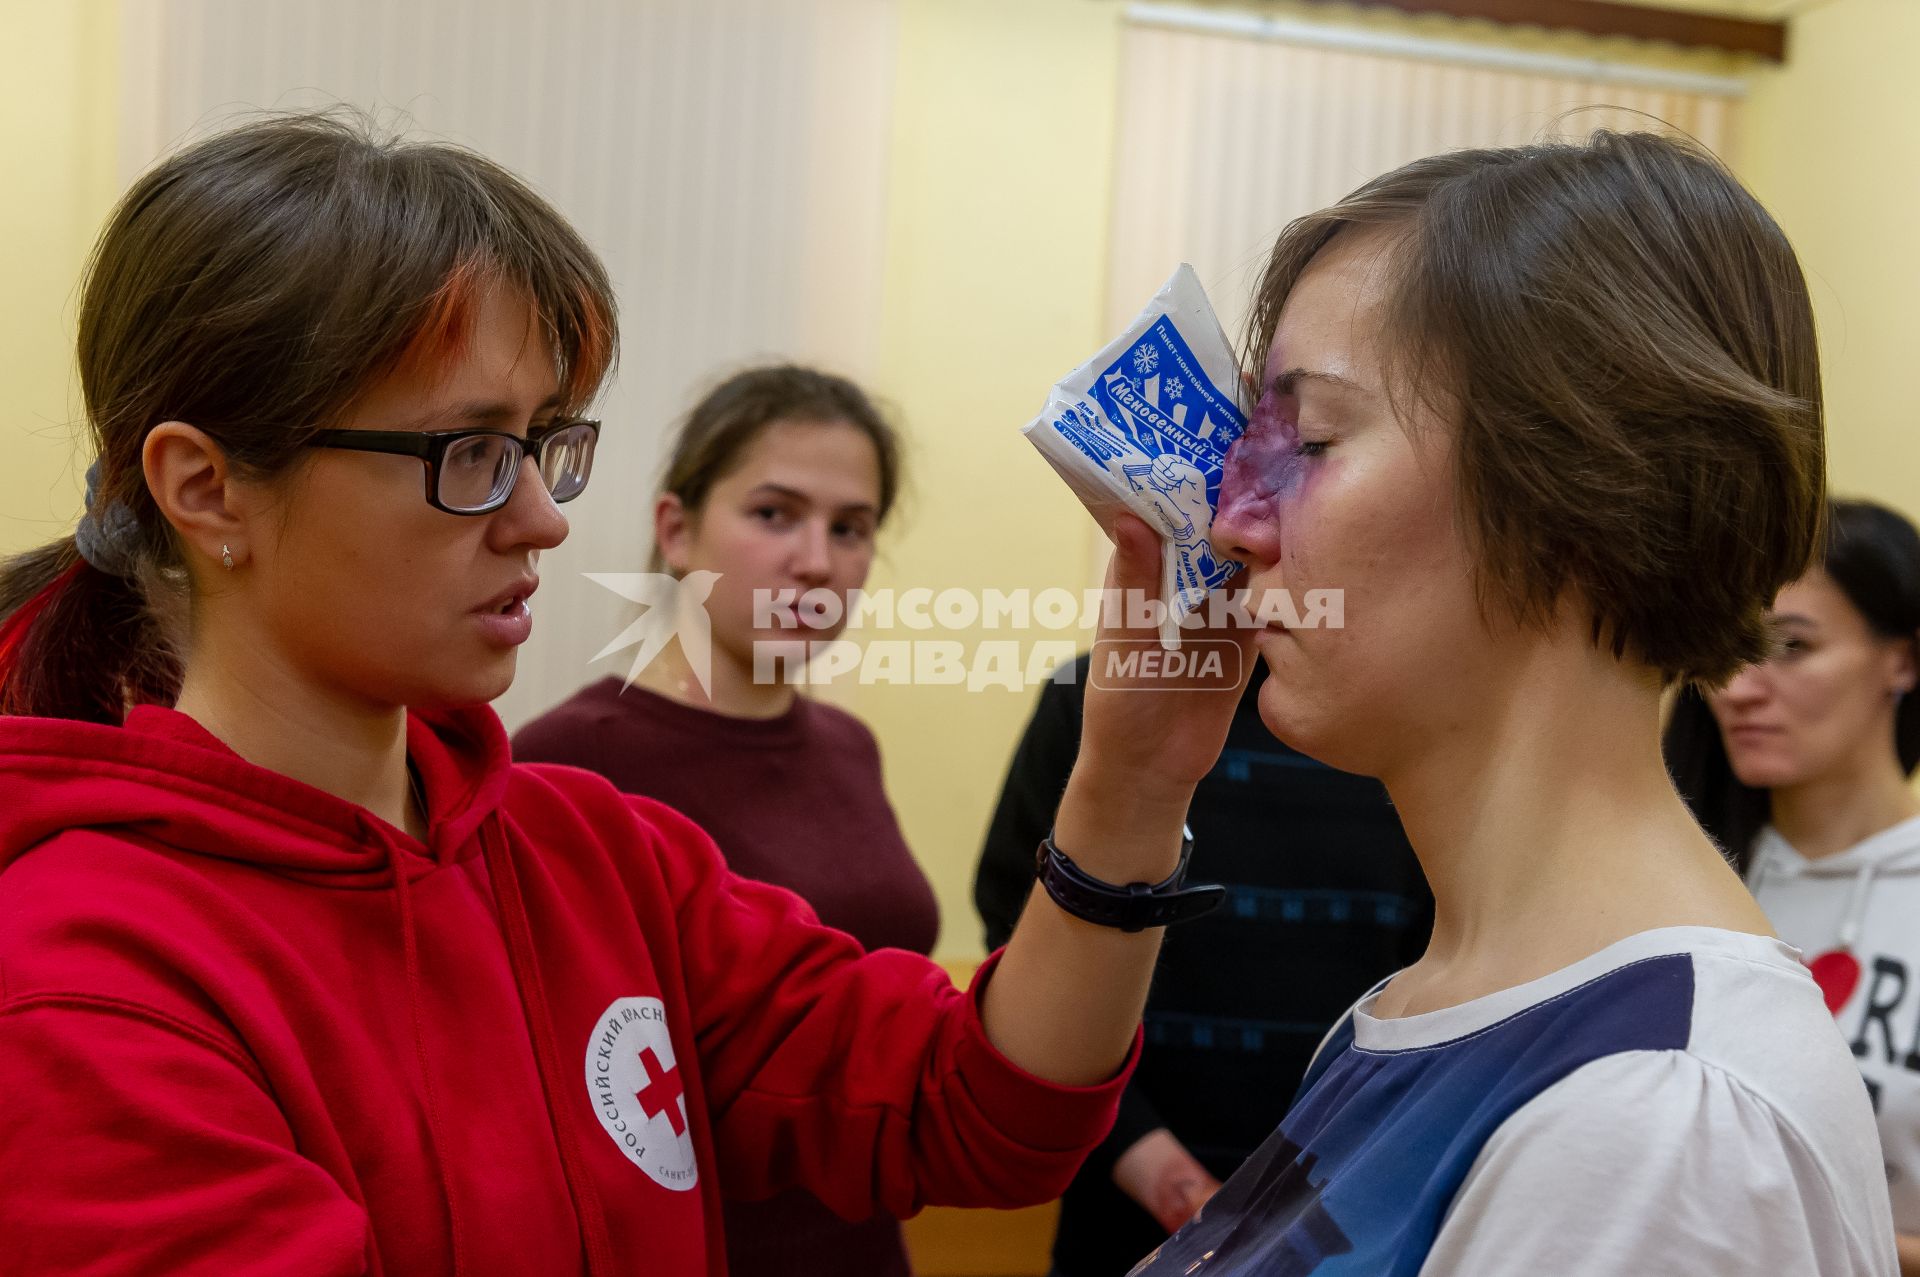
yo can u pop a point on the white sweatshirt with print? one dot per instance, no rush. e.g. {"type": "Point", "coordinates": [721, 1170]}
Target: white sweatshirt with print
{"type": "Point", "coordinates": [1855, 917]}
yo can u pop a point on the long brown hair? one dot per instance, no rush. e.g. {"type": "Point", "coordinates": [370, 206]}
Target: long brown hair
{"type": "Point", "coordinates": [1873, 555]}
{"type": "Point", "coordinates": [1626, 341]}
{"type": "Point", "coordinates": [713, 440]}
{"type": "Point", "coordinates": [254, 285]}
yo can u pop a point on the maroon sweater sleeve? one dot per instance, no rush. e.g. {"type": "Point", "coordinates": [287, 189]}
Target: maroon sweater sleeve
{"type": "Point", "coordinates": [796, 801]}
{"type": "Point", "coordinates": [866, 1078]}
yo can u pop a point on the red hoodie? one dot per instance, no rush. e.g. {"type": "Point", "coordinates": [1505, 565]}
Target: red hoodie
{"type": "Point", "coordinates": [247, 1027]}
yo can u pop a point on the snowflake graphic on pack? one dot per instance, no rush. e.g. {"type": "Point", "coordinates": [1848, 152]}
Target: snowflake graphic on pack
{"type": "Point", "coordinates": [1145, 426]}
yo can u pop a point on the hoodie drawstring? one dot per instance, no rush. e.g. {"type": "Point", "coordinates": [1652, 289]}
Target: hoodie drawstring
{"type": "Point", "coordinates": [1857, 905]}
{"type": "Point", "coordinates": [1855, 916]}
{"type": "Point", "coordinates": [546, 1055]}
{"type": "Point", "coordinates": [410, 947]}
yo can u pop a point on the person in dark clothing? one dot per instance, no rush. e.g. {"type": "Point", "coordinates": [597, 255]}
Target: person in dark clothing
{"type": "Point", "coordinates": [813, 772]}
{"type": "Point", "coordinates": [1324, 900]}
{"type": "Point", "coordinates": [779, 479]}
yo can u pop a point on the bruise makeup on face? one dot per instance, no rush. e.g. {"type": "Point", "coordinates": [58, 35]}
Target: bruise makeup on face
{"type": "Point", "coordinates": [1267, 464]}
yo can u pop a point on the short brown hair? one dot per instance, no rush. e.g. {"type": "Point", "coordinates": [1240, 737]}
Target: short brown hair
{"type": "Point", "coordinates": [715, 436]}
{"type": "Point", "coordinates": [1625, 338]}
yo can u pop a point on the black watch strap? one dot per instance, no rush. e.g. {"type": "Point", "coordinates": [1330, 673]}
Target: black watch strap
{"type": "Point", "coordinates": [1134, 907]}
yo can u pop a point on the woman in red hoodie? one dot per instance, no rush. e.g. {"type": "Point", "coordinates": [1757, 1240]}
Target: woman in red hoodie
{"type": "Point", "coordinates": [298, 973]}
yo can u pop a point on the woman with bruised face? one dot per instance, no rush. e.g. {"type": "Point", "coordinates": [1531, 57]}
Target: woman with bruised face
{"type": "Point", "coordinates": [1550, 418]}
{"type": "Point", "coordinates": [300, 974]}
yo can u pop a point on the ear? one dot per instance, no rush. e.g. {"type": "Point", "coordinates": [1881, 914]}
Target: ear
{"type": "Point", "coordinates": [1906, 665]}
{"type": "Point", "coordinates": [188, 474]}
{"type": "Point", "coordinates": [673, 532]}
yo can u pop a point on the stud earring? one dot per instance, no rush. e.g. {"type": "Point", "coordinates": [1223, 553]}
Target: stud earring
{"type": "Point", "coordinates": [226, 558]}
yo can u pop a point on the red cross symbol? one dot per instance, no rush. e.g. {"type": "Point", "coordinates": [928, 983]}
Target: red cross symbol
{"type": "Point", "coordinates": [663, 1091]}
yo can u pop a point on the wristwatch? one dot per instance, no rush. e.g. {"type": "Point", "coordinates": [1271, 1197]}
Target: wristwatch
{"type": "Point", "coordinates": [1134, 907]}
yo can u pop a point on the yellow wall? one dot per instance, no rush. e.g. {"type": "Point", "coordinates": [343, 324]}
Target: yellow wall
{"type": "Point", "coordinates": [1832, 146]}
{"type": "Point", "coordinates": [996, 271]}
{"type": "Point", "coordinates": [58, 107]}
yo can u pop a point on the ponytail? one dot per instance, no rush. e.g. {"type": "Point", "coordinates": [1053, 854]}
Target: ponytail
{"type": "Point", "coordinates": [77, 642]}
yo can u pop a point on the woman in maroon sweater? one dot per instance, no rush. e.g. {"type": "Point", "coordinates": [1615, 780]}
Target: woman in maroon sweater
{"type": "Point", "coordinates": [778, 481]}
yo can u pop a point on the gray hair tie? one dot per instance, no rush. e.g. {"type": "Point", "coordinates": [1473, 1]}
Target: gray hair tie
{"type": "Point", "coordinates": [108, 539]}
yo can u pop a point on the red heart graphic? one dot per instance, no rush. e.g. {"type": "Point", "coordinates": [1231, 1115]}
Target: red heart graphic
{"type": "Point", "coordinates": [1837, 972]}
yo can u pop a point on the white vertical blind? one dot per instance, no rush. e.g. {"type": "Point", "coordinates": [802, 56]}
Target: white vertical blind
{"type": "Point", "coordinates": [1224, 139]}
{"type": "Point", "coordinates": [727, 158]}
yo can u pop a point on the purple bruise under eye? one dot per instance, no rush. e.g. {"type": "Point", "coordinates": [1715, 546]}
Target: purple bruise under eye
{"type": "Point", "coordinates": [1264, 465]}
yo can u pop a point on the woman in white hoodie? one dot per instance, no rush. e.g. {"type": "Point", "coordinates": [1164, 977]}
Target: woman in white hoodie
{"type": "Point", "coordinates": [1800, 767]}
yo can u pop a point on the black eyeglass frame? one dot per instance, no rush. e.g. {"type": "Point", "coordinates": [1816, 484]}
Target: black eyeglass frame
{"type": "Point", "coordinates": [431, 447]}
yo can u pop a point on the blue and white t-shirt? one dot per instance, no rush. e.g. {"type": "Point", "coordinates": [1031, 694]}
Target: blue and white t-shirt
{"type": "Point", "coordinates": [1678, 1103]}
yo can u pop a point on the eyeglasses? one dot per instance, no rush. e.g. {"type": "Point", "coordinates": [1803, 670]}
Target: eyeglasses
{"type": "Point", "coordinates": [473, 471]}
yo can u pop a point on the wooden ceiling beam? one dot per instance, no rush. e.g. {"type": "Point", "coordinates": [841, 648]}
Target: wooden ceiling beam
{"type": "Point", "coordinates": [1766, 39]}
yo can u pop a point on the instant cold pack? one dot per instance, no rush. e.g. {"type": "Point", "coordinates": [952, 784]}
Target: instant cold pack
{"type": "Point", "coordinates": [1145, 426]}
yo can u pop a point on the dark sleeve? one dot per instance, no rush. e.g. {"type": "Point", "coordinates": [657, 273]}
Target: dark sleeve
{"type": "Point", "coordinates": [1137, 1118]}
{"type": "Point", "coordinates": [1028, 800]}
